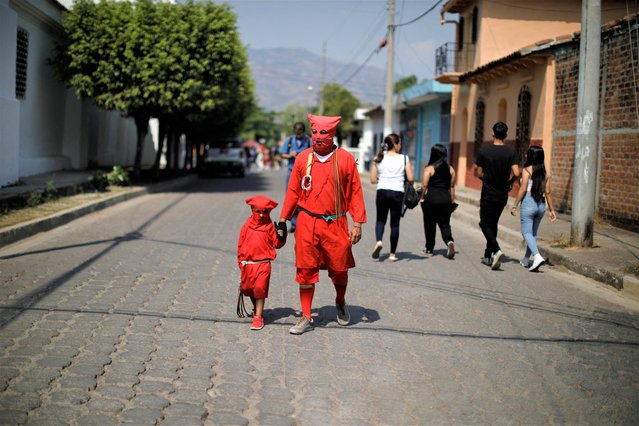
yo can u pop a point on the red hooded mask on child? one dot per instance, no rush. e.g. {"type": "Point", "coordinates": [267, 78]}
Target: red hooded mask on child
{"type": "Point", "coordinates": [261, 207]}
{"type": "Point", "coordinates": [323, 131]}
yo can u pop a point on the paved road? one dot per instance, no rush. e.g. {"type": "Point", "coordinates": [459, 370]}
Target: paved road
{"type": "Point", "coordinates": [128, 316]}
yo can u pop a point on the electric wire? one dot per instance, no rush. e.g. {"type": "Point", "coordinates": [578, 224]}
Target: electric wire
{"type": "Point", "coordinates": [419, 17]}
{"type": "Point", "coordinates": [417, 55]}
{"type": "Point", "coordinates": [360, 47]}
{"type": "Point", "coordinates": [375, 51]}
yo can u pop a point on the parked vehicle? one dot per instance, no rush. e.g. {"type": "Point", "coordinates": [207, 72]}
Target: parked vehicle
{"type": "Point", "coordinates": [225, 156]}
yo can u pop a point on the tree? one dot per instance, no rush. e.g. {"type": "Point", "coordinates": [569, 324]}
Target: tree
{"type": "Point", "coordinates": [182, 63]}
{"type": "Point", "coordinates": [290, 115]}
{"type": "Point", "coordinates": [404, 83]}
{"type": "Point", "coordinates": [260, 124]}
{"type": "Point", "coordinates": [339, 101]}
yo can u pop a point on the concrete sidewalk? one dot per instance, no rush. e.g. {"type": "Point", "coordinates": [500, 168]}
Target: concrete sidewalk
{"type": "Point", "coordinates": [614, 249]}
{"type": "Point", "coordinates": [69, 183]}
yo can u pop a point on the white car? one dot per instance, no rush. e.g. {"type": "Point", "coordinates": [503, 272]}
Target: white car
{"type": "Point", "coordinates": [225, 156]}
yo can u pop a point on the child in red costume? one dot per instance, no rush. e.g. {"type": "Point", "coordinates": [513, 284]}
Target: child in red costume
{"type": "Point", "coordinates": [325, 185]}
{"type": "Point", "coordinates": [255, 251]}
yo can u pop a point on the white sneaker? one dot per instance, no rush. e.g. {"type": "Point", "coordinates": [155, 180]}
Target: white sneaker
{"type": "Point", "coordinates": [302, 326]}
{"type": "Point", "coordinates": [378, 248]}
{"type": "Point", "coordinates": [496, 260]}
{"type": "Point", "coordinates": [537, 261]}
{"type": "Point", "coordinates": [451, 249]}
{"type": "Point", "coordinates": [392, 258]}
{"type": "Point", "coordinates": [525, 262]}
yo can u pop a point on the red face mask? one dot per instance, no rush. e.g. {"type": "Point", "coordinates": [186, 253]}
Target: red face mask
{"type": "Point", "coordinates": [323, 131]}
{"type": "Point", "coordinates": [261, 207]}
{"type": "Point", "coordinates": [261, 216]}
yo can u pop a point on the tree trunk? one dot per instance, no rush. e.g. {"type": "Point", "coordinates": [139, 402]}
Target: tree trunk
{"type": "Point", "coordinates": [188, 153]}
{"type": "Point", "coordinates": [142, 126]}
{"type": "Point", "coordinates": [158, 155]}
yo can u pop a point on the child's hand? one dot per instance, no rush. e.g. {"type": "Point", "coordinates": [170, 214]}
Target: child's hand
{"type": "Point", "coordinates": [281, 230]}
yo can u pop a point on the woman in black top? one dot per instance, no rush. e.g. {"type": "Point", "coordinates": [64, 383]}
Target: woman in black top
{"type": "Point", "coordinates": [437, 199]}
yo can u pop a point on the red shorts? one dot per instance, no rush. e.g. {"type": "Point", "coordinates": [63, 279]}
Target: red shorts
{"type": "Point", "coordinates": [255, 280]}
{"type": "Point", "coordinates": [321, 244]}
{"type": "Point", "coordinates": [311, 276]}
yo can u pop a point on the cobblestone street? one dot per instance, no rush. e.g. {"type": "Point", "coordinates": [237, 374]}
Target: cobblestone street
{"type": "Point", "coordinates": [127, 315]}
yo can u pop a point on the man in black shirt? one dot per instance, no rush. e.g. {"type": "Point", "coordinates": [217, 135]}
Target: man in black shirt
{"type": "Point", "coordinates": [497, 168]}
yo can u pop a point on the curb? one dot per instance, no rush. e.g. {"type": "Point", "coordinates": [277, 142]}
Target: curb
{"type": "Point", "coordinates": [24, 230]}
{"type": "Point", "coordinates": [621, 282]}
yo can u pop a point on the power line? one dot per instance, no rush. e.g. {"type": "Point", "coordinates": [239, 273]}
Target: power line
{"type": "Point", "coordinates": [420, 16]}
{"type": "Point", "coordinates": [376, 50]}
{"type": "Point", "coordinates": [366, 40]}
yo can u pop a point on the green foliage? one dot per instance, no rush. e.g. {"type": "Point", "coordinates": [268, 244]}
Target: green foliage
{"type": "Point", "coordinates": [99, 181]}
{"type": "Point", "coordinates": [404, 83]}
{"type": "Point", "coordinates": [289, 116]}
{"type": "Point", "coordinates": [339, 101]}
{"type": "Point", "coordinates": [49, 193]}
{"type": "Point", "coordinates": [184, 62]}
{"type": "Point", "coordinates": [118, 177]}
{"type": "Point", "coordinates": [261, 124]}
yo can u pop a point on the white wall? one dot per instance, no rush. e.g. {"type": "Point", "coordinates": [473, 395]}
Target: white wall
{"type": "Point", "coordinates": [50, 129]}
{"type": "Point", "coordinates": [9, 106]}
{"type": "Point", "coordinates": [42, 111]}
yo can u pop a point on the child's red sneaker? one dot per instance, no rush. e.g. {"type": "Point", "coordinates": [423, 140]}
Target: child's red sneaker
{"type": "Point", "coordinates": [258, 322]}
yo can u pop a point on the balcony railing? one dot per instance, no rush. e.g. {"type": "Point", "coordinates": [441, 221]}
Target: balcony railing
{"type": "Point", "coordinates": [449, 58]}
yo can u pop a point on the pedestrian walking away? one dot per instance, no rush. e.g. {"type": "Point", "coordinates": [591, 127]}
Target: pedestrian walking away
{"type": "Point", "coordinates": [325, 186]}
{"type": "Point", "coordinates": [255, 252]}
{"type": "Point", "coordinates": [291, 147]}
{"type": "Point", "coordinates": [496, 165]}
{"type": "Point", "coordinates": [534, 197]}
{"type": "Point", "coordinates": [389, 171]}
{"type": "Point", "coordinates": [437, 200]}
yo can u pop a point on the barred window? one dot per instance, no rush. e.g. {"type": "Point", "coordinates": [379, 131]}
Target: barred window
{"type": "Point", "coordinates": [22, 52]}
{"type": "Point", "coordinates": [523, 124]}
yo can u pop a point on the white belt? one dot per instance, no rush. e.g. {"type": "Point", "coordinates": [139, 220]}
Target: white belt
{"type": "Point", "coordinates": [254, 262]}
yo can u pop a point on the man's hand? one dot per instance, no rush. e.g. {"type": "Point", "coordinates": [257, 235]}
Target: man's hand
{"type": "Point", "coordinates": [281, 230]}
{"type": "Point", "coordinates": [356, 233]}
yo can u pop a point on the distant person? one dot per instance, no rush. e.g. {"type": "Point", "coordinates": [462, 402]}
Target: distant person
{"type": "Point", "coordinates": [387, 172]}
{"type": "Point", "coordinates": [255, 252]}
{"type": "Point", "coordinates": [291, 147]}
{"type": "Point", "coordinates": [437, 200]}
{"type": "Point", "coordinates": [496, 167]}
{"type": "Point", "coordinates": [534, 196]}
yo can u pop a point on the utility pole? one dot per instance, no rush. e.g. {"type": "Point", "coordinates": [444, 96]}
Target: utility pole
{"type": "Point", "coordinates": [388, 102]}
{"type": "Point", "coordinates": [322, 79]}
{"type": "Point", "coordinates": [587, 137]}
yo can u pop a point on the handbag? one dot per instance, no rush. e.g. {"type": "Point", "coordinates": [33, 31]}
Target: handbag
{"type": "Point", "coordinates": [411, 196]}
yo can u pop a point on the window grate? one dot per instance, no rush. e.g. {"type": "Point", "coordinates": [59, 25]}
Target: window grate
{"type": "Point", "coordinates": [523, 124]}
{"type": "Point", "coordinates": [22, 52]}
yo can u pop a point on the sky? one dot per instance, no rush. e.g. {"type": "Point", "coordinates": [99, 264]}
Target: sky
{"type": "Point", "coordinates": [352, 29]}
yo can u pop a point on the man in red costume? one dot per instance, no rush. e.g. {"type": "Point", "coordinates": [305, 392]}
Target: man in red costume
{"type": "Point", "coordinates": [325, 185]}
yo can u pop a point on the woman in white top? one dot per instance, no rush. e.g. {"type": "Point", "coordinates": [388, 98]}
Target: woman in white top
{"type": "Point", "coordinates": [388, 173]}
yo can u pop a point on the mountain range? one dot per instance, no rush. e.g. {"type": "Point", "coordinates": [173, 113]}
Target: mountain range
{"type": "Point", "coordinates": [283, 76]}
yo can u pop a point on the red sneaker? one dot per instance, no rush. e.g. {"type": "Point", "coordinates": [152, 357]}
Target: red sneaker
{"type": "Point", "coordinates": [258, 323]}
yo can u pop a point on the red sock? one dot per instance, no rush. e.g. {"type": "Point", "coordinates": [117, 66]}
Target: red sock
{"type": "Point", "coordinates": [306, 298]}
{"type": "Point", "coordinates": [340, 296]}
